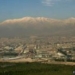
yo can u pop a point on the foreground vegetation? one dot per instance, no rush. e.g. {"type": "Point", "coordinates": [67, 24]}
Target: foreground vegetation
{"type": "Point", "coordinates": [35, 69]}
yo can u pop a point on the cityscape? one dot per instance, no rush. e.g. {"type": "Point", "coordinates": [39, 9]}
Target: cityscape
{"type": "Point", "coordinates": [37, 49]}
{"type": "Point", "coordinates": [37, 37]}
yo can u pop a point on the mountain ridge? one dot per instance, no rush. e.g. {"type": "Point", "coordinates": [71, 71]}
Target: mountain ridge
{"type": "Point", "coordinates": [37, 26]}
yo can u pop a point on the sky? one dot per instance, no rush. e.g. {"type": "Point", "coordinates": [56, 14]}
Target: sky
{"type": "Point", "coordinates": [57, 9]}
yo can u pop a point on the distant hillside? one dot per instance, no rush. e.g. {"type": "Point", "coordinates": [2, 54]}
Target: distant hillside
{"type": "Point", "coordinates": [37, 26]}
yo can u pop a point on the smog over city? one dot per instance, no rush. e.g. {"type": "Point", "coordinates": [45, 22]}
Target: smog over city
{"type": "Point", "coordinates": [37, 33]}
{"type": "Point", "coordinates": [37, 26]}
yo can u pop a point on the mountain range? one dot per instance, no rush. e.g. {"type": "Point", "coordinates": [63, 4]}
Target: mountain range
{"type": "Point", "coordinates": [37, 26]}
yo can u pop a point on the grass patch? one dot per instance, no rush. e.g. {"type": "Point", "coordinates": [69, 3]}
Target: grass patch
{"type": "Point", "coordinates": [35, 69]}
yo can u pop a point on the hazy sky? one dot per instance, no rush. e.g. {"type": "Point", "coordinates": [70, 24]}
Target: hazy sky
{"type": "Point", "coordinates": [58, 9]}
